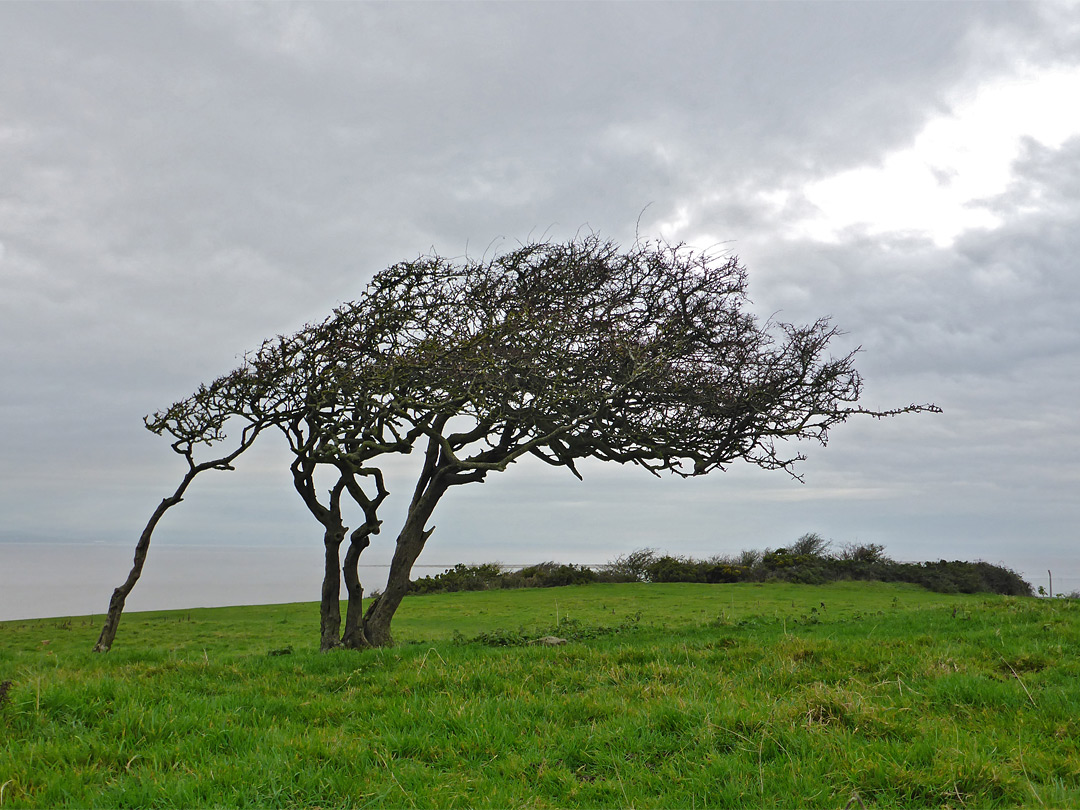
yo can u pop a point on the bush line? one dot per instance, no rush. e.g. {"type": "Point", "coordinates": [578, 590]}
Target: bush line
{"type": "Point", "coordinates": [807, 561]}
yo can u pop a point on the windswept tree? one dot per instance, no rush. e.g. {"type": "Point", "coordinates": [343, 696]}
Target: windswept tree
{"type": "Point", "coordinates": [194, 424]}
{"type": "Point", "coordinates": [331, 382]}
{"type": "Point", "coordinates": [647, 357]}
{"type": "Point", "coordinates": [564, 352]}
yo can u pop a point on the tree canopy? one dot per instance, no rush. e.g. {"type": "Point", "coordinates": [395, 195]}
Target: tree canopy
{"type": "Point", "coordinates": [578, 350]}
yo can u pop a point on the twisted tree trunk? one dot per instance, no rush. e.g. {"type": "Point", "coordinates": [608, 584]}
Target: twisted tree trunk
{"type": "Point", "coordinates": [334, 530]}
{"type": "Point", "coordinates": [354, 636]}
{"type": "Point", "coordinates": [330, 606]}
{"type": "Point", "coordinates": [410, 542]}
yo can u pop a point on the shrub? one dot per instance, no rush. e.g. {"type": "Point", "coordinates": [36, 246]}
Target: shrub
{"type": "Point", "coordinates": [490, 575]}
{"type": "Point", "coordinates": [676, 569]}
{"type": "Point", "coordinates": [460, 578]}
{"type": "Point", "coordinates": [549, 575]}
{"type": "Point", "coordinates": [726, 572]}
{"type": "Point", "coordinates": [634, 566]}
{"type": "Point", "coordinates": [862, 552]}
{"type": "Point", "coordinates": [749, 558]}
{"type": "Point", "coordinates": [810, 544]}
{"type": "Point", "coordinates": [805, 561]}
{"type": "Point", "coordinates": [782, 558]}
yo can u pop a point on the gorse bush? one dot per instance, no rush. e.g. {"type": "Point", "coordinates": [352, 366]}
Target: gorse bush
{"type": "Point", "coordinates": [807, 561]}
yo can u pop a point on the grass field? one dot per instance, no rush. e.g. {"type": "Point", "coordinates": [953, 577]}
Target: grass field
{"type": "Point", "coordinates": [665, 696]}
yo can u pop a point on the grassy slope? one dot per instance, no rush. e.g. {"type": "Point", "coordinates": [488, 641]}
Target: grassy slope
{"type": "Point", "coordinates": [723, 695]}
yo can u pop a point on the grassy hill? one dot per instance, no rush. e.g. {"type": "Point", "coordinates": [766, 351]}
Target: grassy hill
{"type": "Point", "coordinates": [676, 695]}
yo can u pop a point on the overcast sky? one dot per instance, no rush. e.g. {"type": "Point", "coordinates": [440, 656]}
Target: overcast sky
{"type": "Point", "coordinates": [179, 181]}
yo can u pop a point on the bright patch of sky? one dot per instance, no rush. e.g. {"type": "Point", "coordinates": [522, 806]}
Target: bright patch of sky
{"type": "Point", "coordinates": [937, 186]}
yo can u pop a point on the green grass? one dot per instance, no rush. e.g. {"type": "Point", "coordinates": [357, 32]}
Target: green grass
{"type": "Point", "coordinates": [717, 696]}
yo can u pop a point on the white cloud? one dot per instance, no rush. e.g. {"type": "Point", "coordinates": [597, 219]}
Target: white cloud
{"type": "Point", "coordinates": [938, 186]}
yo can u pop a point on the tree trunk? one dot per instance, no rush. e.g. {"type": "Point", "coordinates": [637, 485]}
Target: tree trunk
{"type": "Point", "coordinates": [303, 470]}
{"type": "Point", "coordinates": [354, 637]}
{"type": "Point", "coordinates": [120, 595]}
{"type": "Point", "coordinates": [330, 607]}
{"type": "Point", "coordinates": [410, 543]}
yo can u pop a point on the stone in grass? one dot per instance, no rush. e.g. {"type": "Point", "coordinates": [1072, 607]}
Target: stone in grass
{"type": "Point", "coordinates": [549, 641]}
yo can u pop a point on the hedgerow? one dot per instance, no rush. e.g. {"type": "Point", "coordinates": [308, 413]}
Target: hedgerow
{"type": "Point", "coordinates": [807, 561]}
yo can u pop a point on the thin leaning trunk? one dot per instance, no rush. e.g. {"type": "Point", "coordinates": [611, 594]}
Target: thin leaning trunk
{"type": "Point", "coordinates": [120, 595]}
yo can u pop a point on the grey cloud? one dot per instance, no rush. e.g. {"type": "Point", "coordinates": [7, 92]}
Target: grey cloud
{"type": "Point", "coordinates": [183, 180]}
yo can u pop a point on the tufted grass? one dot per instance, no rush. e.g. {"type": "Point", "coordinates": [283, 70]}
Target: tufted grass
{"type": "Point", "coordinates": [709, 696]}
